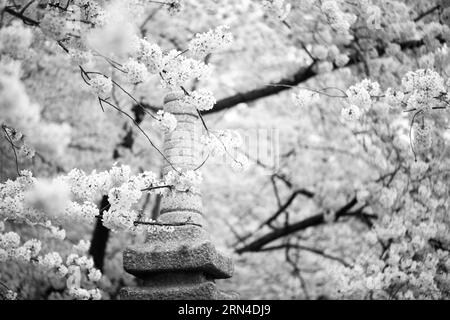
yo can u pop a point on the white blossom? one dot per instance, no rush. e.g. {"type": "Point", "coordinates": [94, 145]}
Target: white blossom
{"type": "Point", "coordinates": [136, 72]}
{"type": "Point", "coordinates": [320, 52]}
{"type": "Point", "coordinates": [278, 8]}
{"type": "Point", "coordinates": [101, 86]}
{"type": "Point", "coordinates": [9, 240]}
{"type": "Point", "coordinates": [79, 293]}
{"type": "Point", "coordinates": [303, 98]}
{"type": "Point", "coordinates": [10, 295]}
{"type": "Point", "coordinates": [388, 197]}
{"type": "Point", "coordinates": [57, 233]}
{"type": "Point", "coordinates": [54, 25]}
{"type": "Point", "coordinates": [119, 220]}
{"type": "Point", "coordinates": [50, 260]}
{"type": "Point", "coordinates": [351, 113]}
{"type": "Point", "coordinates": [150, 54]}
{"type": "Point", "coordinates": [422, 136]}
{"type": "Point", "coordinates": [360, 94]}
{"type": "Point", "coordinates": [82, 247]}
{"type": "Point", "coordinates": [33, 246]}
{"type": "Point", "coordinates": [221, 142]}
{"type": "Point", "coordinates": [174, 6]}
{"type": "Point", "coordinates": [165, 121]}
{"type": "Point", "coordinates": [394, 98]}
{"type": "Point", "coordinates": [27, 151]}
{"type": "Point", "coordinates": [94, 275]}
{"type": "Point", "coordinates": [13, 134]}
{"type": "Point", "coordinates": [201, 99]}
{"type": "Point", "coordinates": [423, 86]}
{"type": "Point", "coordinates": [374, 17]}
{"type": "Point", "coordinates": [341, 60]}
{"type": "Point", "coordinates": [177, 70]}
{"type": "Point", "coordinates": [95, 294]}
{"type": "Point", "coordinates": [339, 21]}
{"type": "Point", "coordinates": [81, 57]}
{"type": "Point", "coordinates": [184, 180]}
{"type": "Point", "coordinates": [240, 162]}
{"type": "Point", "coordinates": [211, 41]}
{"type": "Point", "coordinates": [85, 212]}
{"type": "Point", "coordinates": [3, 255]}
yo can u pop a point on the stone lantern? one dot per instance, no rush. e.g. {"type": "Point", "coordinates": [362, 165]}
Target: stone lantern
{"type": "Point", "coordinates": [182, 264]}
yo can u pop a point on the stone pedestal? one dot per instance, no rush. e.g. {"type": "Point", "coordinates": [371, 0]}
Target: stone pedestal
{"type": "Point", "coordinates": [184, 263]}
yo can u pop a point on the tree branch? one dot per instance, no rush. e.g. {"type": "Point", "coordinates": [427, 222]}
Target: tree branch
{"type": "Point", "coordinates": [312, 221]}
{"type": "Point", "coordinates": [288, 202]}
{"type": "Point", "coordinates": [301, 75]}
{"type": "Point", "coordinates": [310, 249]}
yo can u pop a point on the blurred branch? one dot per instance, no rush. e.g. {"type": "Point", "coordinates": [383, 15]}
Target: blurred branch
{"type": "Point", "coordinates": [309, 249]}
{"type": "Point", "coordinates": [25, 19]}
{"type": "Point", "coordinates": [142, 28]}
{"type": "Point", "coordinates": [295, 269]}
{"type": "Point", "coordinates": [286, 205]}
{"type": "Point", "coordinates": [280, 210]}
{"type": "Point", "coordinates": [51, 164]}
{"type": "Point", "coordinates": [426, 13]}
{"type": "Point", "coordinates": [318, 219]}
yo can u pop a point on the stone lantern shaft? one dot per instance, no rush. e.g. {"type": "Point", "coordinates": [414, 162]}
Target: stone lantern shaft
{"type": "Point", "coordinates": [184, 263]}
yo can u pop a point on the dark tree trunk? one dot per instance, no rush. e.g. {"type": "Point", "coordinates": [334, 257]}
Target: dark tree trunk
{"type": "Point", "coordinates": [100, 238]}
{"type": "Point", "coordinates": [155, 210]}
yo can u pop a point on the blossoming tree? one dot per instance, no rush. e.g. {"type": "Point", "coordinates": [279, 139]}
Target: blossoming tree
{"type": "Point", "coordinates": [357, 205]}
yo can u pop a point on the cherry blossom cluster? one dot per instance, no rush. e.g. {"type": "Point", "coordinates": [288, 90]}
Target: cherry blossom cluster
{"type": "Point", "coordinates": [150, 54]}
{"type": "Point", "coordinates": [72, 23]}
{"type": "Point", "coordinates": [361, 93]}
{"type": "Point", "coordinates": [226, 144]}
{"type": "Point", "coordinates": [101, 86]}
{"type": "Point", "coordinates": [184, 180]}
{"type": "Point", "coordinates": [210, 42]}
{"type": "Point", "coordinates": [78, 271]}
{"type": "Point", "coordinates": [17, 141]}
{"type": "Point", "coordinates": [12, 249]}
{"type": "Point", "coordinates": [174, 6]}
{"type": "Point", "coordinates": [304, 98]}
{"type": "Point", "coordinates": [12, 196]}
{"type": "Point", "coordinates": [278, 8]}
{"type": "Point", "coordinates": [71, 198]}
{"type": "Point", "coordinates": [336, 18]}
{"type": "Point", "coordinates": [173, 67]}
{"type": "Point", "coordinates": [407, 268]}
{"type": "Point", "coordinates": [218, 143]}
{"type": "Point", "coordinates": [422, 136]}
{"type": "Point", "coordinates": [423, 88]}
{"type": "Point", "coordinates": [410, 236]}
{"type": "Point", "coordinates": [165, 121]}
{"type": "Point", "coordinates": [373, 14]}
{"type": "Point", "coordinates": [422, 91]}
{"type": "Point", "coordinates": [178, 70]}
{"type": "Point", "coordinates": [135, 71]}
{"type": "Point", "coordinates": [201, 99]}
